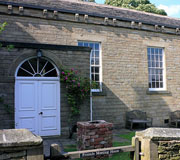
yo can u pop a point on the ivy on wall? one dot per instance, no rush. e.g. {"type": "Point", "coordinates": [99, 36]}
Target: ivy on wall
{"type": "Point", "coordinates": [2, 28]}
{"type": "Point", "coordinates": [78, 89]}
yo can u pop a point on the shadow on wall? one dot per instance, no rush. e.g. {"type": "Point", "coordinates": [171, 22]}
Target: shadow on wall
{"type": "Point", "coordinates": [112, 104]}
{"type": "Point", "coordinates": [154, 105]}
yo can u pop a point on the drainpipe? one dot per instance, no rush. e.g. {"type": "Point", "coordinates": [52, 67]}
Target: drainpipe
{"type": "Point", "coordinates": [91, 111]}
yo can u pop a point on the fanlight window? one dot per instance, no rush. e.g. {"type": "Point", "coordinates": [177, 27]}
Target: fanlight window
{"type": "Point", "coordinates": [37, 67]}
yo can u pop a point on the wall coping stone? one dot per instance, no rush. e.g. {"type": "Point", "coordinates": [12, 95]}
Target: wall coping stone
{"type": "Point", "coordinates": [18, 138]}
{"type": "Point", "coordinates": [160, 134]}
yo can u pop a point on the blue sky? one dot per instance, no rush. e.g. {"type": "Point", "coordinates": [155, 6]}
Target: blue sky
{"type": "Point", "coordinates": [172, 7]}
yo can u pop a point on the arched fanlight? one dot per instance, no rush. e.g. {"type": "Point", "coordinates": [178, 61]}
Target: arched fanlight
{"type": "Point", "coordinates": [37, 67]}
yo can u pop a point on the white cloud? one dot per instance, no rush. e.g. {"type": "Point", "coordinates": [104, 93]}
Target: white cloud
{"type": "Point", "coordinates": [172, 10]}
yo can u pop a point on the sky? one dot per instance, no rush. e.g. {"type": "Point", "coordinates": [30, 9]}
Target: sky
{"type": "Point", "coordinates": [172, 7]}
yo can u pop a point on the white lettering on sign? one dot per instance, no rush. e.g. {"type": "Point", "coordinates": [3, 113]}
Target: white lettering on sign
{"type": "Point", "coordinates": [88, 154]}
{"type": "Point", "coordinates": [114, 151]}
{"type": "Point", "coordinates": [102, 152]}
{"type": "Point", "coordinates": [93, 154]}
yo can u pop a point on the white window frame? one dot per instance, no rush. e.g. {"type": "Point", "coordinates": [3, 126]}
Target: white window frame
{"type": "Point", "coordinates": [100, 65]}
{"type": "Point", "coordinates": [163, 70]}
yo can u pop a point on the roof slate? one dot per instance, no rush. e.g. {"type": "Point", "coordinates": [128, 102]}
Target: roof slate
{"type": "Point", "coordinates": [100, 10]}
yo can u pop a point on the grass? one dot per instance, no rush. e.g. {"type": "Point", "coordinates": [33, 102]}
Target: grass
{"type": "Point", "coordinates": [118, 156]}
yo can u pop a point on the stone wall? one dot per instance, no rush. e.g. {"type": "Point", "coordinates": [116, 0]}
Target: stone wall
{"type": "Point", "coordinates": [124, 62]}
{"type": "Point", "coordinates": [169, 150]}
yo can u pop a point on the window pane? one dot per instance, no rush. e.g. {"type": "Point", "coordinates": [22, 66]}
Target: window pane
{"type": "Point", "coordinates": [153, 84]}
{"type": "Point", "coordinates": [96, 77]}
{"type": "Point", "coordinates": [92, 54]}
{"type": "Point", "coordinates": [96, 46]}
{"type": "Point", "coordinates": [161, 85]}
{"type": "Point", "coordinates": [153, 57]}
{"type": "Point", "coordinates": [96, 61]}
{"type": "Point", "coordinates": [92, 69]}
{"type": "Point", "coordinates": [92, 61]}
{"type": "Point", "coordinates": [91, 45]}
{"type": "Point", "coordinates": [96, 69]}
{"type": "Point", "coordinates": [157, 57]}
{"type": "Point", "coordinates": [153, 64]}
{"type": "Point", "coordinates": [153, 77]}
{"type": "Point", "coordinates": [152, 50]}
{"type": "Point", "coordinates": [97, 53]}
{"type": "Point", "coordinates": [161, 78]}
{"type": "Point", "coordinates": [157, 84]}
{"type": "Point", "coordinates": [86, 44]}
{"type": "Point", "coordinates": [92, 77]}
{"type": "Point", "coordinates": [156, 51]}
{"type": "Point", "coordinates": [157, 77]}
{"type": "Point", "coordinates": [80, 43]}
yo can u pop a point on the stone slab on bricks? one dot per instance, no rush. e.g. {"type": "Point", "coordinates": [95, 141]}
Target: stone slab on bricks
{"type": "Point", "coordinates": [18, 137]}
{"type": "Point", "coordinates": [162, 134]}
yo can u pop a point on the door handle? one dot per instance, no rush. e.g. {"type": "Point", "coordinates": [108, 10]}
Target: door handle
{"type": "Point", "coordinates": [40, 113]}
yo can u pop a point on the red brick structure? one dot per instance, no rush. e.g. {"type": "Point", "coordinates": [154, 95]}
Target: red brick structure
{"type": "Point", "coordinates": [95, 134]}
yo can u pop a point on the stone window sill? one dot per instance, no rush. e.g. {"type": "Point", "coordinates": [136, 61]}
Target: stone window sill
{"type": "Point", "coordinates": [167, 93]}
{"type": "Point", "coordinates": [100, 93]}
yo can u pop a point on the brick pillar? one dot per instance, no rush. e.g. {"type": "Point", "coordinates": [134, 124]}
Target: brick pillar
{"type": "Point", "coordinates": [95, 134]}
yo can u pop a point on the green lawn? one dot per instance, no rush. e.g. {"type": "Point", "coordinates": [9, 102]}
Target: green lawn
{"type": "Point", "coordinates": [118, 156]}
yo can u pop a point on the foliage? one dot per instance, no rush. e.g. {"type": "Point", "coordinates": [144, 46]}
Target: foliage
{"type": "Point", "coordinates": [2, 28]}
{"type": "Point", "coordinates": [78, 89]}
{"type": "Point", "coordinates": [141, 5]}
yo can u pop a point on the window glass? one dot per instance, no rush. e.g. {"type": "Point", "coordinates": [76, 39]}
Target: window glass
{"type": "Point", "coordinates": [37, 67]}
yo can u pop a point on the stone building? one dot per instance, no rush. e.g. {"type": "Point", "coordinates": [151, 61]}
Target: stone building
{"type": "Point", "coordinates": [135, 59]}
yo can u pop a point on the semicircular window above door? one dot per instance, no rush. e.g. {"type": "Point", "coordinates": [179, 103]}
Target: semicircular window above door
{"type": "Point", "coordinates": [37, 67]}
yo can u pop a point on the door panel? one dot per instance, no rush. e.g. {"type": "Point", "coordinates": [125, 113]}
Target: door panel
{"type": "Point", "coordinates": [49, 105]}
{"type": "Point", "coordinates": [37, 106]}
{"type": "Point", "coordinates": [26, 105]}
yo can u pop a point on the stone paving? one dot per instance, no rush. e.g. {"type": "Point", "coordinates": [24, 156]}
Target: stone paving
{"type": "Point", "coordinates": [63, 141]}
